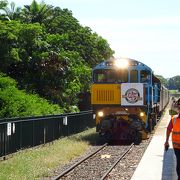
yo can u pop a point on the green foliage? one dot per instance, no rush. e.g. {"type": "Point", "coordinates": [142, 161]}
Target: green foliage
{"type": "Point", "coordinates": [49, 53]}
{"type": "Point", "coordinates": [174, 83]}
{"type": "Point", "coordinates": [60, 21]}
{"type": "Point", "coordinates": [174, 91]}
{"type": "Point", "coordinates": [163, 80]}
{"type": "Point", "coordinates": [171, 83]}
{"type": "Point", "coordinates": [77, 77]}
{"type": "Point", "coordinates": [16, 103]}
{"type": "Point", "coordinates": [9, 13]}
{"type": "Point", "coordinates": [6, 82]}
{"type": "Point", "coordinates": [29, 38]}
{"type": "Point", "coordinates": [35, 12]}
{"type": "Point", "coordinates": [9, 50]}
{"type": "Point", "coordinates": [3, 9]}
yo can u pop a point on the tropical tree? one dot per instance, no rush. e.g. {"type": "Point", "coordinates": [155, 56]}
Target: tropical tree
{"type": "Point", "coordinates": [3, 9]}
{"type": "Point", "coordinates": [177, 82]}
{"type": "Point", "coordinates": [8, 44]}
{"type": "Point", "coordinates": [49, 53]}
{"type": "Point", "coordinates": [163, 80]}
{"type": "Point", "coordinates": [61, 21]}
{"type": "Point", "coordinates": [11, 13]}
{"type": "Point", "coordinates": [174, 83]}
{"type": "Point", "coordinates": [35, 12]}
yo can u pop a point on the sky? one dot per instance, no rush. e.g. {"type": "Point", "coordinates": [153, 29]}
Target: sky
{"type": "Point", "coordinates": [148, 31]}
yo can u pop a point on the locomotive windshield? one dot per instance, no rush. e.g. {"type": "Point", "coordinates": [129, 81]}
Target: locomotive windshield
{"type": "Point", "coordinates": [133, 76]}
{"type": "Point", "coordinates": [110, 76]}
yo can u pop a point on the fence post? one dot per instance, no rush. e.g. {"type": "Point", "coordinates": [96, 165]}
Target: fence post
{"type": "Point", "coordinates": [4, 157]}
{"type": "Point", "coordinates": [20, 135]}
{"type": "Point", "coordinates": [44, 132]}
{"type": "Point", "coordinates": [65, 123]}
{"type": "Point", "coordinates": [33, 133]}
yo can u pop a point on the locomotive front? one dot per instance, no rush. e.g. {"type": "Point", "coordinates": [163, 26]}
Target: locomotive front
{"type": "Point", "coordinates": [121, 99]}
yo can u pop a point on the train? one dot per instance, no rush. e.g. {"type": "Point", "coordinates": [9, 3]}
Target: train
{"type": "Point", "coordinates": [127, 99]}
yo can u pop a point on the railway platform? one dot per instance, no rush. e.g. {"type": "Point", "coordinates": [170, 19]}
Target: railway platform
{"type": "Point", "coordinates": [156, 164]}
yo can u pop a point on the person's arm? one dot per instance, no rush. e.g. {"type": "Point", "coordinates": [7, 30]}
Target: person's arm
{"type": "Point", "coordinates": [168, 132]}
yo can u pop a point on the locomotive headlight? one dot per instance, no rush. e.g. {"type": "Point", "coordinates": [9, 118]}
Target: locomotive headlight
{"type": "Point", "coordinates": [142, 114]}
{"type": "Point", "coordinates": [100, 114]}
{"type": "Point", "coordinates": [121, 63]}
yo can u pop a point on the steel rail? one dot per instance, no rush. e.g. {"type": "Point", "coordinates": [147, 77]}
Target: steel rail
{"type": "Point", "coordinates": [79, 162]}
{"type": "Point", "coordinates": [110, 169]}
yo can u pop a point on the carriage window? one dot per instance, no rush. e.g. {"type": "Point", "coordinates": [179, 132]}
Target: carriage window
{"type": "Point", "coordinates": [122, 76]}
{"type": "Point", "coordinates": [133, 76]}
{"type": "Point", "coordinates": [145, 76]}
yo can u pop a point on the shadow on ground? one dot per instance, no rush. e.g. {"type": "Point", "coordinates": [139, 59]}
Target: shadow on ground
{"type": "Point", "coordinates": [95, 139]}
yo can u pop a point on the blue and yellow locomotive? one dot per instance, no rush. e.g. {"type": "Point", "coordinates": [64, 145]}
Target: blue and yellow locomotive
{"type": "Point", "coordinates": [126, 98]}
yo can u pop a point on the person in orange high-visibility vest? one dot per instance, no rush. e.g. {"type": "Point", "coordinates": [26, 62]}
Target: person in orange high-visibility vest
{"type": "Point", "coordinates": [174, 127]}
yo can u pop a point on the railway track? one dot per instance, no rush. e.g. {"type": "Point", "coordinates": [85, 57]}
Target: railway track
{"type": "Point", "coordinates": [96, 165]}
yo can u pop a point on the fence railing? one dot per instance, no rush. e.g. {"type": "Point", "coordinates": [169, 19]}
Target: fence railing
{"type": "Point", "coordinates": [21, 133]}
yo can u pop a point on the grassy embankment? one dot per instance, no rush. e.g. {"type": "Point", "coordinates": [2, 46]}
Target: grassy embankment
{"type": "Point", "coordinates": [40, 162]}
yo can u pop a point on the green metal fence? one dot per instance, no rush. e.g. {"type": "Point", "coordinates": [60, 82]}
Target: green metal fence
{"type": "Point", "coordinates": [21, 133]}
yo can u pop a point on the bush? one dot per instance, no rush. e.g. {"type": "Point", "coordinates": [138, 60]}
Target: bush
{"type": "Point", "coordinates": [17, 103]}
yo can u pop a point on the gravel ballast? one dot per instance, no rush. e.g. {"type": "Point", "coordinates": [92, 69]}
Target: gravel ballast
{"type": "Point", "coordinates": [96, 166]}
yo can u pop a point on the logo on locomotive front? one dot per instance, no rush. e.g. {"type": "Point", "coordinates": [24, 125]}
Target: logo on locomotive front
{"type": "Point", "coordinates": [132, 95]}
